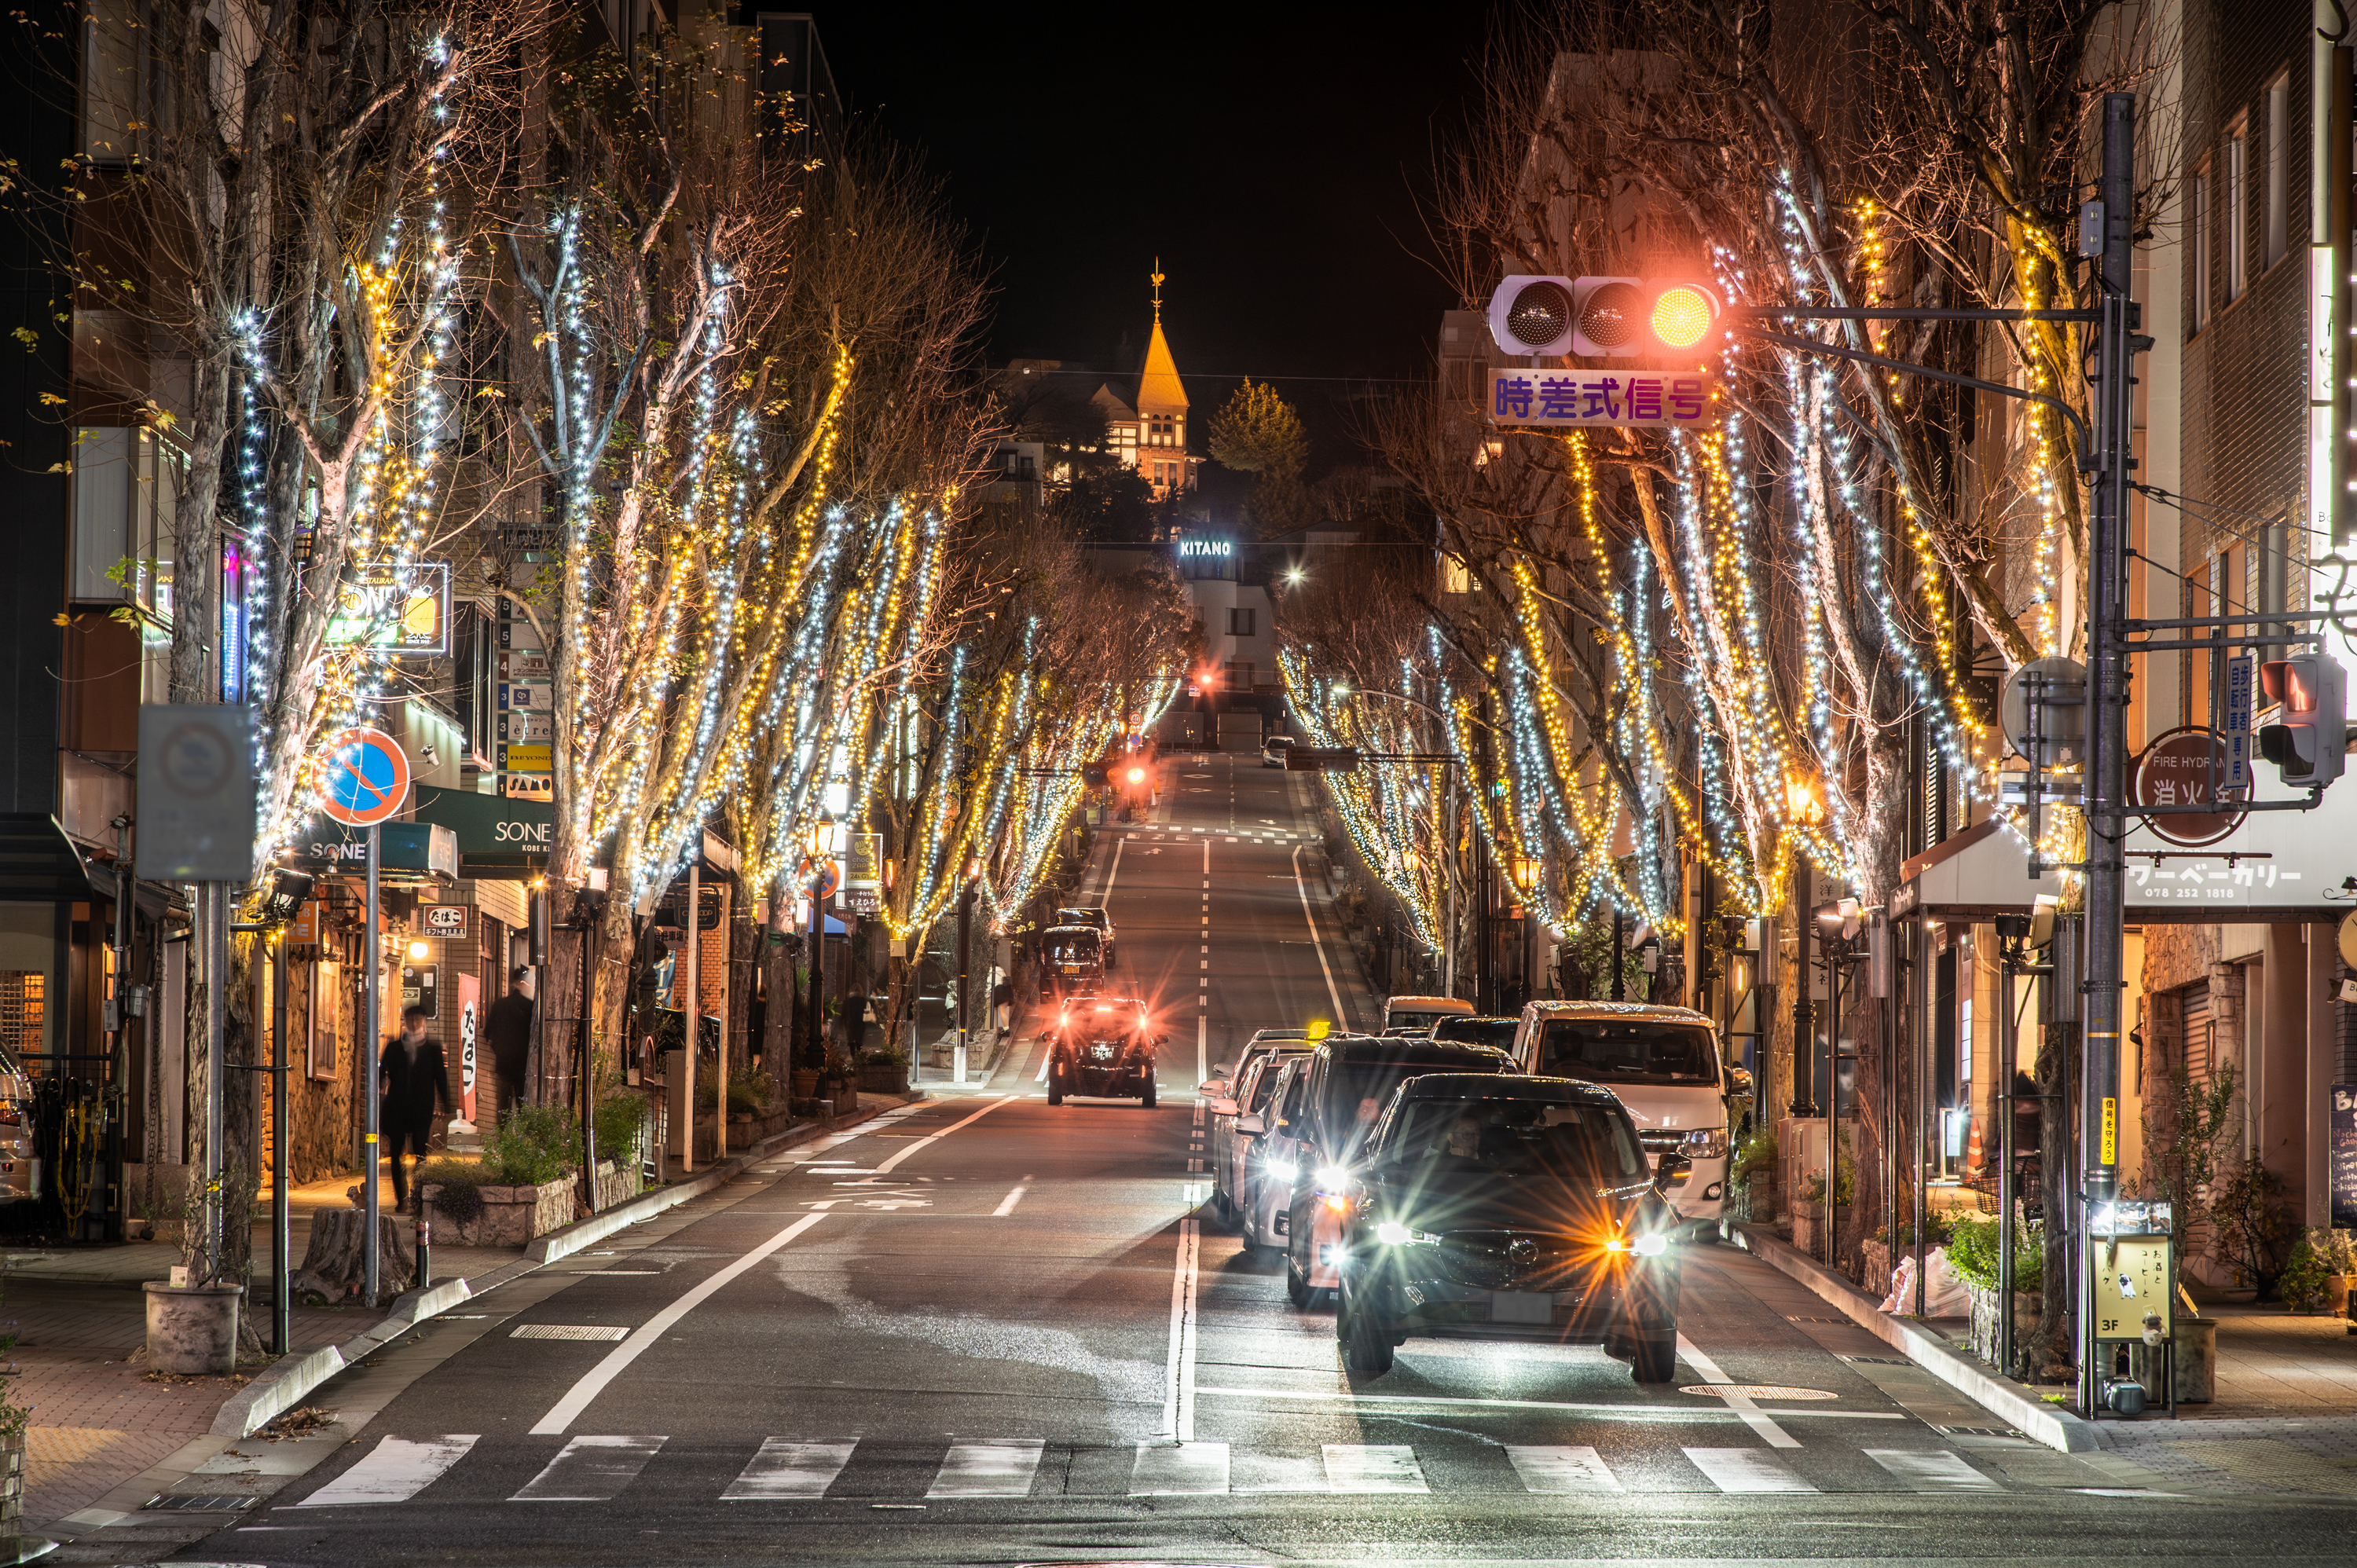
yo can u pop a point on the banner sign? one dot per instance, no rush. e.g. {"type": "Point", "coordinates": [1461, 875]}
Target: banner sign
{"type": "Point", "coordinates": [1572, 399]}
{"type": "Point", "coordinates": [2341, 1155]}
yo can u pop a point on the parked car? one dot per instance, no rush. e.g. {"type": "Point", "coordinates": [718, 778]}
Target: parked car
{"type": "Point", "coordinates": [1273, 750]}
{"type": "Point", "coordinates": [1224, 1075]}
{"type": "Point", "coordinates": [1329, 1103]}
{"type": "Point", "coordinates": [1422, 1012]}
{"type": "Point", "coordinates": [1072, 959]}
{"type": "Point", "coordinates": [1498, 1032]}
{"type": "Point", "coordinates": [1246, 1093]}
{"type": "Point", "coordinates": [1096, 918]}
{"type": "Point", "coordinates": [1505, 1206]}
{"type": "Point", "coordinates": [1663, 1063]}
{"type": "Point", "coordinates": [1105, 1047]}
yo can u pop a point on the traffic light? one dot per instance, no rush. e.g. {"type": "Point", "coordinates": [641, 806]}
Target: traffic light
{"type": "Point", "coordinates": [2309, 735]}
{"type": "Point", "coordinates": [1607, 317]}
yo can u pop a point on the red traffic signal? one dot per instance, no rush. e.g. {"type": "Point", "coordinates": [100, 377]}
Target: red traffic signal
{"type": "Point", "coordinates": [2309, 738]}
{"type": "Point", "coordinates": [1608, 317]}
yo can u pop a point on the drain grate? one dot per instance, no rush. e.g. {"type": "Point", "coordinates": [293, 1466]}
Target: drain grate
{"type": "Point", "coordinates": [199, 1502]}
{"type": "Point", "coordinates": [1790, 1318]}
{"type": "Point", "coordinates": [1881, 1360]}
{"type": "Point", "coordinates": [1978, 1431]}
{"type": "Point", "coordinates": [569, 1331]}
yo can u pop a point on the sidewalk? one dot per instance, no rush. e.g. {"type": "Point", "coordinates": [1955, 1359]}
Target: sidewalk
{"type": "Point", "coordinates": [99, 1418]}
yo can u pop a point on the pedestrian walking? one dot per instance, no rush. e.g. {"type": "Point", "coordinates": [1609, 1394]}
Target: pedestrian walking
{"type": "Point", "coordinates": [416, 1080]}
{"type": "Point", "coordinates": [510, 1026]}
{"type": "Point", "coordinates": [1002, 1003]}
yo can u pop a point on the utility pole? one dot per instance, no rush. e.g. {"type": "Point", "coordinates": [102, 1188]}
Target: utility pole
{"type": "Point", "coordinates": [1620, 956]}
{"type": "Point", "coordinates": [2101, 981]}
{"type": "Point", "coordinates": [1804, 1043]}
{"type": "Point", "coordinates": [965, 965]}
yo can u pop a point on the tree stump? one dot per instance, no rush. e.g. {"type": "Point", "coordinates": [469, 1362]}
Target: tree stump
{"type": "Point", "coordinates": [333, 1270]}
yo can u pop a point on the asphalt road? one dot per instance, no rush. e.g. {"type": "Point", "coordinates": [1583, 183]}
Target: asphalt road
{"type": "Point", "coordinates": [989, 1331]}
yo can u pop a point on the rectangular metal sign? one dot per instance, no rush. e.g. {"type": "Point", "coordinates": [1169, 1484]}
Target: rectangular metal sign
{"type": "Point", "coordinates": [2234, 723]}
{"type": "Point", "coordinates": [196, 800]}
{"type": "Point", "coordinates": [404, 610]}
{"type": "Point", "coordinates": [1582, 398]}
{"type": "Point", "coordinates": [1322, 760]}
{"type": "Point", "coordinates": [2341, 1155]}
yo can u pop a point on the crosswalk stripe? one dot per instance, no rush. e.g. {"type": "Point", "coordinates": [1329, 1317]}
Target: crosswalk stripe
{"type": "Point", "coordinates": [590, 1470]}
{"type": "Point", "coordinates": [395, 1470]}
{"type": "Point", "coordinates": [1747, 1470]}
{"type": "Point", "coordinates": [1936, 1470]}
{"type": "Point", "coordinates": [1373, 1468]}
{"type": "Point", "coordinates": [787, 1470]}
{"type": "Point", "coordinates": [1002, 1469]}
{"type": "Point", "coordinates": [1565, 1470]}
{"type": "Point", "coordinates": [1180, 1470]}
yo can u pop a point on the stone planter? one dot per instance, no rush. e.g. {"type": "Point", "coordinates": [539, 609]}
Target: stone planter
{"type": "Point", "coordinates": [1809, 1229]}
{"type": "Point", "coordinates": [12, 1483]}
{"type": "Point", "coordinates": [2197, 1360]}
{"type": "Point", "coordinates": [2026, 1307]}
{"type": "Point", "coordinates": [884, 1077]}
{"type": "Point", "coordinates": [2336, 1294]}
{"type": "Point", "coordinates": [514, 1215]}
{"type": "Point", "coordinates": [192, 1330]}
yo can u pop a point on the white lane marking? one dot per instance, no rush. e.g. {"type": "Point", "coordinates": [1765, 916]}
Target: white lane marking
{"type": "Point", "coordinates": [1372, 1467]}
{"type": "Point", "coordinates": [602, 1331]}
{"type": "Point", "coordinates": [883, 1166]}
{"type": "Point", "coordinates": [1206, 868]}
{"type": "Point", "coordinates": [1935, 1471]}
{"type": "Point", "coordinates": [1002, 1469]}
{"type": "Point", "coordinates": [1178, 1371]}
{"type": "Point", "coordinates": [590, 1470]}
{"type": "Point", "coordinates": [1747, 1470]}
{"type": "Point", "coordinates": [1565, 1470]}
{"type": "Point", "coordinates": [1104, 897]}
{"type": "Point", "coordinates": [785, 1469]}
{"type": "Point", "coordinates": [1184, 1470]}
{"type": "Point", "coordinates": [395, 1470]}
{"type": "Point", "coordinates": [1776, 1435]}
{"type": "Point", "coordinates": [566, 1410]}
{"type": "Point", "coordinates": [1203, 1058]}
{"type": "Point", "coordinates": [1622, 1412]}
{"type": "Point", "coordinates": [1332, 991]}
{"type": "Point", "coordinates": [1006, 1205]}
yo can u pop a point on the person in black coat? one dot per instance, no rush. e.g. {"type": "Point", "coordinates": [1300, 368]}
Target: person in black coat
{"type": "Point", "coordinates": [415, 1080]}
{"type": "Point", "coordinates": [510, 1026]}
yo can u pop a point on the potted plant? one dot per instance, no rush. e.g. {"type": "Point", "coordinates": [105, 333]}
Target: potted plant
{"type": "Point", "coordinates": [2332, 1247]}
{"type": "Point", "coordinates": [192, 1316]}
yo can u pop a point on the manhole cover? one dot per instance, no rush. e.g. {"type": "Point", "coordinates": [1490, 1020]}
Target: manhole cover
{"type": "Point", "coordinates": [1756, 1392]}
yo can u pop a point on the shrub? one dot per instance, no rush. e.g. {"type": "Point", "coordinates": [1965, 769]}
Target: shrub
{"type": "Point", "coordinates": [533, 1144]}
{"type": "Point", "coordinates": [2301, 1285]}
{"type": "Point", "coordinates": [621, 1118]}
{"type": "Point", "coordinates": [1972, 1247]}
{"type": "Point", "coordinates": [462, 1183]}
{"type": "Point", "coordinates": [2253, 1225]}
{"type": "Point", "coordinates": [749, 1092]}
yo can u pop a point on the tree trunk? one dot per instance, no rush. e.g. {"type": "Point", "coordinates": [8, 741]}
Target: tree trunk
{"type": "Point", "coordinates": [333, 1268]}
{"type": "Point", "coordinates": [2053, 1353]}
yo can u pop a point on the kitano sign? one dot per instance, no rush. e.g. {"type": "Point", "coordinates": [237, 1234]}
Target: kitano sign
{"type": "Point", "coordinates": [1195, 549]}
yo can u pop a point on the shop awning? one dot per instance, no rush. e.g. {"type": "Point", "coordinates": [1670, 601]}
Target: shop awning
{"type": "Point", "coordinates": [38, 863]}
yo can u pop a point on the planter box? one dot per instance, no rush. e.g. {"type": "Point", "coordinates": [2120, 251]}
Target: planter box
{"type": "Point", "coordinates": [514, 1215]}
{"type": "Point", "coordinates": [2026, 1307]}
{"type": "Point", "coordinates": [12, 1482]}
{"type": "Point", "coordinates": [192, 1330]}
{"type": "Point", "coordinates": [884, 1077]}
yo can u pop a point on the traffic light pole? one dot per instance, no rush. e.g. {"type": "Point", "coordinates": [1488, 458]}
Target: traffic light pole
{"type": "Point", "coordinates": [2101, 982]}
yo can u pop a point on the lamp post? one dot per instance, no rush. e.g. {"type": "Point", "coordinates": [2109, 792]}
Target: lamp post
{"type": "Point", "coordinates": [965, 963]}
{"type": "Point", "coordinates": [815, 843]}
{"type": "Point", "coordinates": [1803, 805]}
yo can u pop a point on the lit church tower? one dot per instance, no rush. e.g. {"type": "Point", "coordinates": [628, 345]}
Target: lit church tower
{"type": "Point", "coordinates": [1152, 436]}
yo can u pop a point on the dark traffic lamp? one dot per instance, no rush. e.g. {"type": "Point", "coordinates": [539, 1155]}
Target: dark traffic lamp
{"type": "Point", "coordinates": [1607, 317]}
{"type": "Point", "coordinates": [2307, 740]}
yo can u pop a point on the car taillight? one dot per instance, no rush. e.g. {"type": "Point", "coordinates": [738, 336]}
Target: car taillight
{"type": "Point", "coordinates": [10, 1115]}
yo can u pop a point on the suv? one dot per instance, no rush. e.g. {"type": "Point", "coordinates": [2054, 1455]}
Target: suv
{"type": "Point", "coordinates": [1309, 1136]}
{"type": "Point", "coordinates": [1273, 750]}
{"type": "Point", "coordinates": [1663, 1063]}
{"type": "Point", "coordinates": [1098, 919]}
{"type": "Point", "coordinates": [1498, 1032]}
{"type": "Point", "coordinates": [1103, 1045]}
{"type": "Point", "coordinates": [1246, 1091]}
{"type": "Point", "coordinates": [1508, 1207]}
{"type": "Point", "coordinates": [1072, 959]}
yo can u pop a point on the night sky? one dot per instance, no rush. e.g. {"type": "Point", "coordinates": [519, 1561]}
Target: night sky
{"type": "Point", "coordinates": [1273, 157]}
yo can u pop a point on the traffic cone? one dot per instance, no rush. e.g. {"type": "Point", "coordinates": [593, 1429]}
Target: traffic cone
{"type": "Point", "coordinates": [1973, 1148]}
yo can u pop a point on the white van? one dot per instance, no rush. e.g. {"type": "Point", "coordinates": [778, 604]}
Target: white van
{"type": "Point", "coordinates": [1663, 1063]}
{"type": "Point", "coordinates": [1422, 1012]}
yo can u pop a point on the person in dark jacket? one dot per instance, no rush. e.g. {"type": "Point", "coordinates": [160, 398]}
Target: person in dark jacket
{"type": "Point", "coordinates": [416, 1081]}
{"type": "Point", "coordinates": [509, 1025]}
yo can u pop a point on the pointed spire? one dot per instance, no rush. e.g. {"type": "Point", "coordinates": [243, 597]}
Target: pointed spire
{"type": "Point", "coordinates": [1157, 291]}
{"type": "Point", "coordinates": [1158, 388]}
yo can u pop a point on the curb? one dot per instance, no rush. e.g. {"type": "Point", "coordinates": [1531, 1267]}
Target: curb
{"type": "Point", "coordinates": [2056, 1428]}
{"type": "Point", "coordinates": [283, 1386]}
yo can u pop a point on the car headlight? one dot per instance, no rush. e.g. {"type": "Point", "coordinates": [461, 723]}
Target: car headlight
{"type": "Point", "coordinates": [1392, 1233]}
{"type": "Point", "coordinates": [1710, 1143]}
{"type": "Point", "coordinates": [1280, 1170]}
{"type": "Point", "coordinates": [1652, 1245]}
{"type": "Point", "coordinates": [1332, 1176]}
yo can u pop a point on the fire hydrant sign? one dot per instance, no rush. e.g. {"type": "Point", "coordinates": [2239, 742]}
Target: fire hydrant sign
{"type": "Point", "coordinates": [1569, 399]}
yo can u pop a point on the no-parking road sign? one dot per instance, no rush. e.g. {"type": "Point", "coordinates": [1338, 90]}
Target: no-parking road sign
{"type": "Point", "coordinates": [367, 778]}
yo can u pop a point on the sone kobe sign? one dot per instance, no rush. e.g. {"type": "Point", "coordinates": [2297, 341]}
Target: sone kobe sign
{"type": "Point", "coordinates": [1622, 396]}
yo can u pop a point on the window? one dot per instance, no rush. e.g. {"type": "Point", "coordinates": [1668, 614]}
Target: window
{"type": "Point", "coordinates": [2238, 243]}
{"type": "Point", "coordinates": [1240, 622]}
{"type": "Point", "coordinates": [2197, 222]}
{"type": "Point", "coordinates": [2278, 130]}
